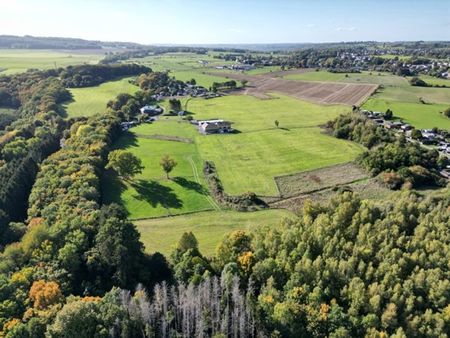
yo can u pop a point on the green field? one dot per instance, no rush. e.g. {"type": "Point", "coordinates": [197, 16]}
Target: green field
{"type": "Point", "coordinates": [199, 75]}
{"type": "Point", "coordinates": [246, 161]}
{"type": "Point", "coordinates": [176, 62]}
{"type": "Point", "coordinates": [151, 194]}
{"type": "Point", "coordinates": [92, 100]}
{"type": "Point", "coordinates": [162, 234]}
{"type": "Point", "coordinates": [404, 102]}
{"type": "Point", "coordinates": [385, 79]}
{"type": "Point", "coordinates": [297, 145]}
{"type": "Point", "coordinates": [18, 60]}
{"type": "Point", "coordinates": [434, 81]}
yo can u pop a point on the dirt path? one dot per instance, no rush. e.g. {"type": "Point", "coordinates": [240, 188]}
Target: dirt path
{"type": "Point", "coordinates": [197, 179]}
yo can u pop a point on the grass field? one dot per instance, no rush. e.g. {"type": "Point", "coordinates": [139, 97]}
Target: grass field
{"type": "Point", "coordinates": [201, 79]}
{"type": "Point", "coordinates": [18, 60]}
{"type": "Point", "coordinates": [162, 234]}
{"type": "Point", "coordinates": [404, 102]}
{"type": "Point", "coordinates": [92, 100]}
{"type": "Point", "coordinates": [297, 145]}
{"type": "Point", "coordinates": [385, 79]}
{"type": "Point", "coordinates": [150, 194]}
{"type": "Point", "coordinates": [431, 80]}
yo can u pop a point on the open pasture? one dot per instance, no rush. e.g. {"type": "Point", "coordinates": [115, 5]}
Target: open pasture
{"type": "Point", "coordinates": [18, 60]}
{"type": "Point", "coordinates": [162, 234]}
{"type": "Point", "coordinates": [249, 159]}
{"type": "Point", "coordinates": [92, 100]}
{"type": "Point", "coordinates": [151, 194]}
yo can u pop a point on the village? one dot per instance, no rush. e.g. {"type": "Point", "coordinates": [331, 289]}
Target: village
{"type": "Point", "coordinates": [426, 137]}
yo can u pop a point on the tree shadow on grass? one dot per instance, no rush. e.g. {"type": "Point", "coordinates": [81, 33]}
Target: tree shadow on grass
{"type": "Point", "coordinates": [154, 193]}
{"type": "Point", "coordinates": [190, 185]}
{"type": "Point", "coordinates": [127, 140]}
{"type": "Point", "coordinates": [112, 188]}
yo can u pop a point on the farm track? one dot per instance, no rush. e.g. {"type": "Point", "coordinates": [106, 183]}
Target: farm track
{"type": "Point", "coordinates": [166, 138]}
{"type": "Point", "coordinates": [197, 179]}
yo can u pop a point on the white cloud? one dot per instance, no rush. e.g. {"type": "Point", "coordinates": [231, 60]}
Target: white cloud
{"type": "Point", "coordinates": [346, 29]}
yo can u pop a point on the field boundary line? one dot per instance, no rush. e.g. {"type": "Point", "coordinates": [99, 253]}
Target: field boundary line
{"type": "Point", "coordinates": [197, 179]}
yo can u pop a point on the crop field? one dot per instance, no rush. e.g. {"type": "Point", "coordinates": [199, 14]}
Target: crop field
{"type": "Point", "coordinates": [162, 234]}
{"type": "Point", "coordinates": [385, 79]}
{"type": "Point", "coordinates": [92, 100]}
{"type": "Point", "coordinates": [17, 60]}
{"type": "Point", "coordinates": [404, 102]}
{"type": "Point", "coordinates": [317, 92]}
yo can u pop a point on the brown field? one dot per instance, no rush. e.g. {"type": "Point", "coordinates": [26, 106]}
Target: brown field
{"type": "Point", "coordinates": [369, 189]}
{"type": "Point", "coordinates": [317, 92]}
{"type": "Point", "coordinates": [319, 179]}
{"type": "Point", "coordinates": [281, 73]}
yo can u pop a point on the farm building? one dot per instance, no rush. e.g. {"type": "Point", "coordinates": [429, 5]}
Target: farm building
{"type": "Point", "coordinates": [151, 110]}
{"type": "Point", "coordinates": [214, 126]}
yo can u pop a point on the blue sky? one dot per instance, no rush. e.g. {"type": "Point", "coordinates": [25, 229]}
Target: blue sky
{"type": "Point", "coordinates": [228, 21]}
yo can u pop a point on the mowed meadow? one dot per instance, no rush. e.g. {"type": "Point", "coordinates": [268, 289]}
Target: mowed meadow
{"type": "Point", "coordinates": [247, 160]}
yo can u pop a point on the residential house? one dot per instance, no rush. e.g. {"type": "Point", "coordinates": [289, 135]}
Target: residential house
{"type": "Point", "coordinates": [214, 126]}
{"type": "Point", "coordinates": [151, 110]}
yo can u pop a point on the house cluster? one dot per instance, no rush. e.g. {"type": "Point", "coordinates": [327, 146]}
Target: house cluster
{"type": "Point", "coordinates": [428, 136]}
{"type": "Point", "coordinates": [148, 115]}
{"type": "Point", "coordinates": [238, 67]}
{"type": "Point", "coordinates": [214, 126]}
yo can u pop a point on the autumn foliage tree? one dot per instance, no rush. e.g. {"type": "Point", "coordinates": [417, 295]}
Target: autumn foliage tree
{"type": "Point", "coordinates": [124, 163]}
{"type": "Point", "coordinates": [167, 163]}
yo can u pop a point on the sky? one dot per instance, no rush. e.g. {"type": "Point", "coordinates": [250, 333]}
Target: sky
{"type": "Point", "coordinates": [228, 21]}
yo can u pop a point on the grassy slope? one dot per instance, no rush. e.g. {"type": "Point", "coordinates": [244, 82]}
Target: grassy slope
{"type": "Point", "coordinates": [16, 61]}
{"type": "Point", "coordinates": [249, 160]}
{"type": "Point", "coordinates": [209, 227]}
{"type": "Point", "coordinates": [151, 194]}
{"type": "Point", "coordinates": [92, 100]}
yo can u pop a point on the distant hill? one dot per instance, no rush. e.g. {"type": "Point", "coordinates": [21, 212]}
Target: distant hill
{"type": "Point", "coordinates": [33, 42]}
